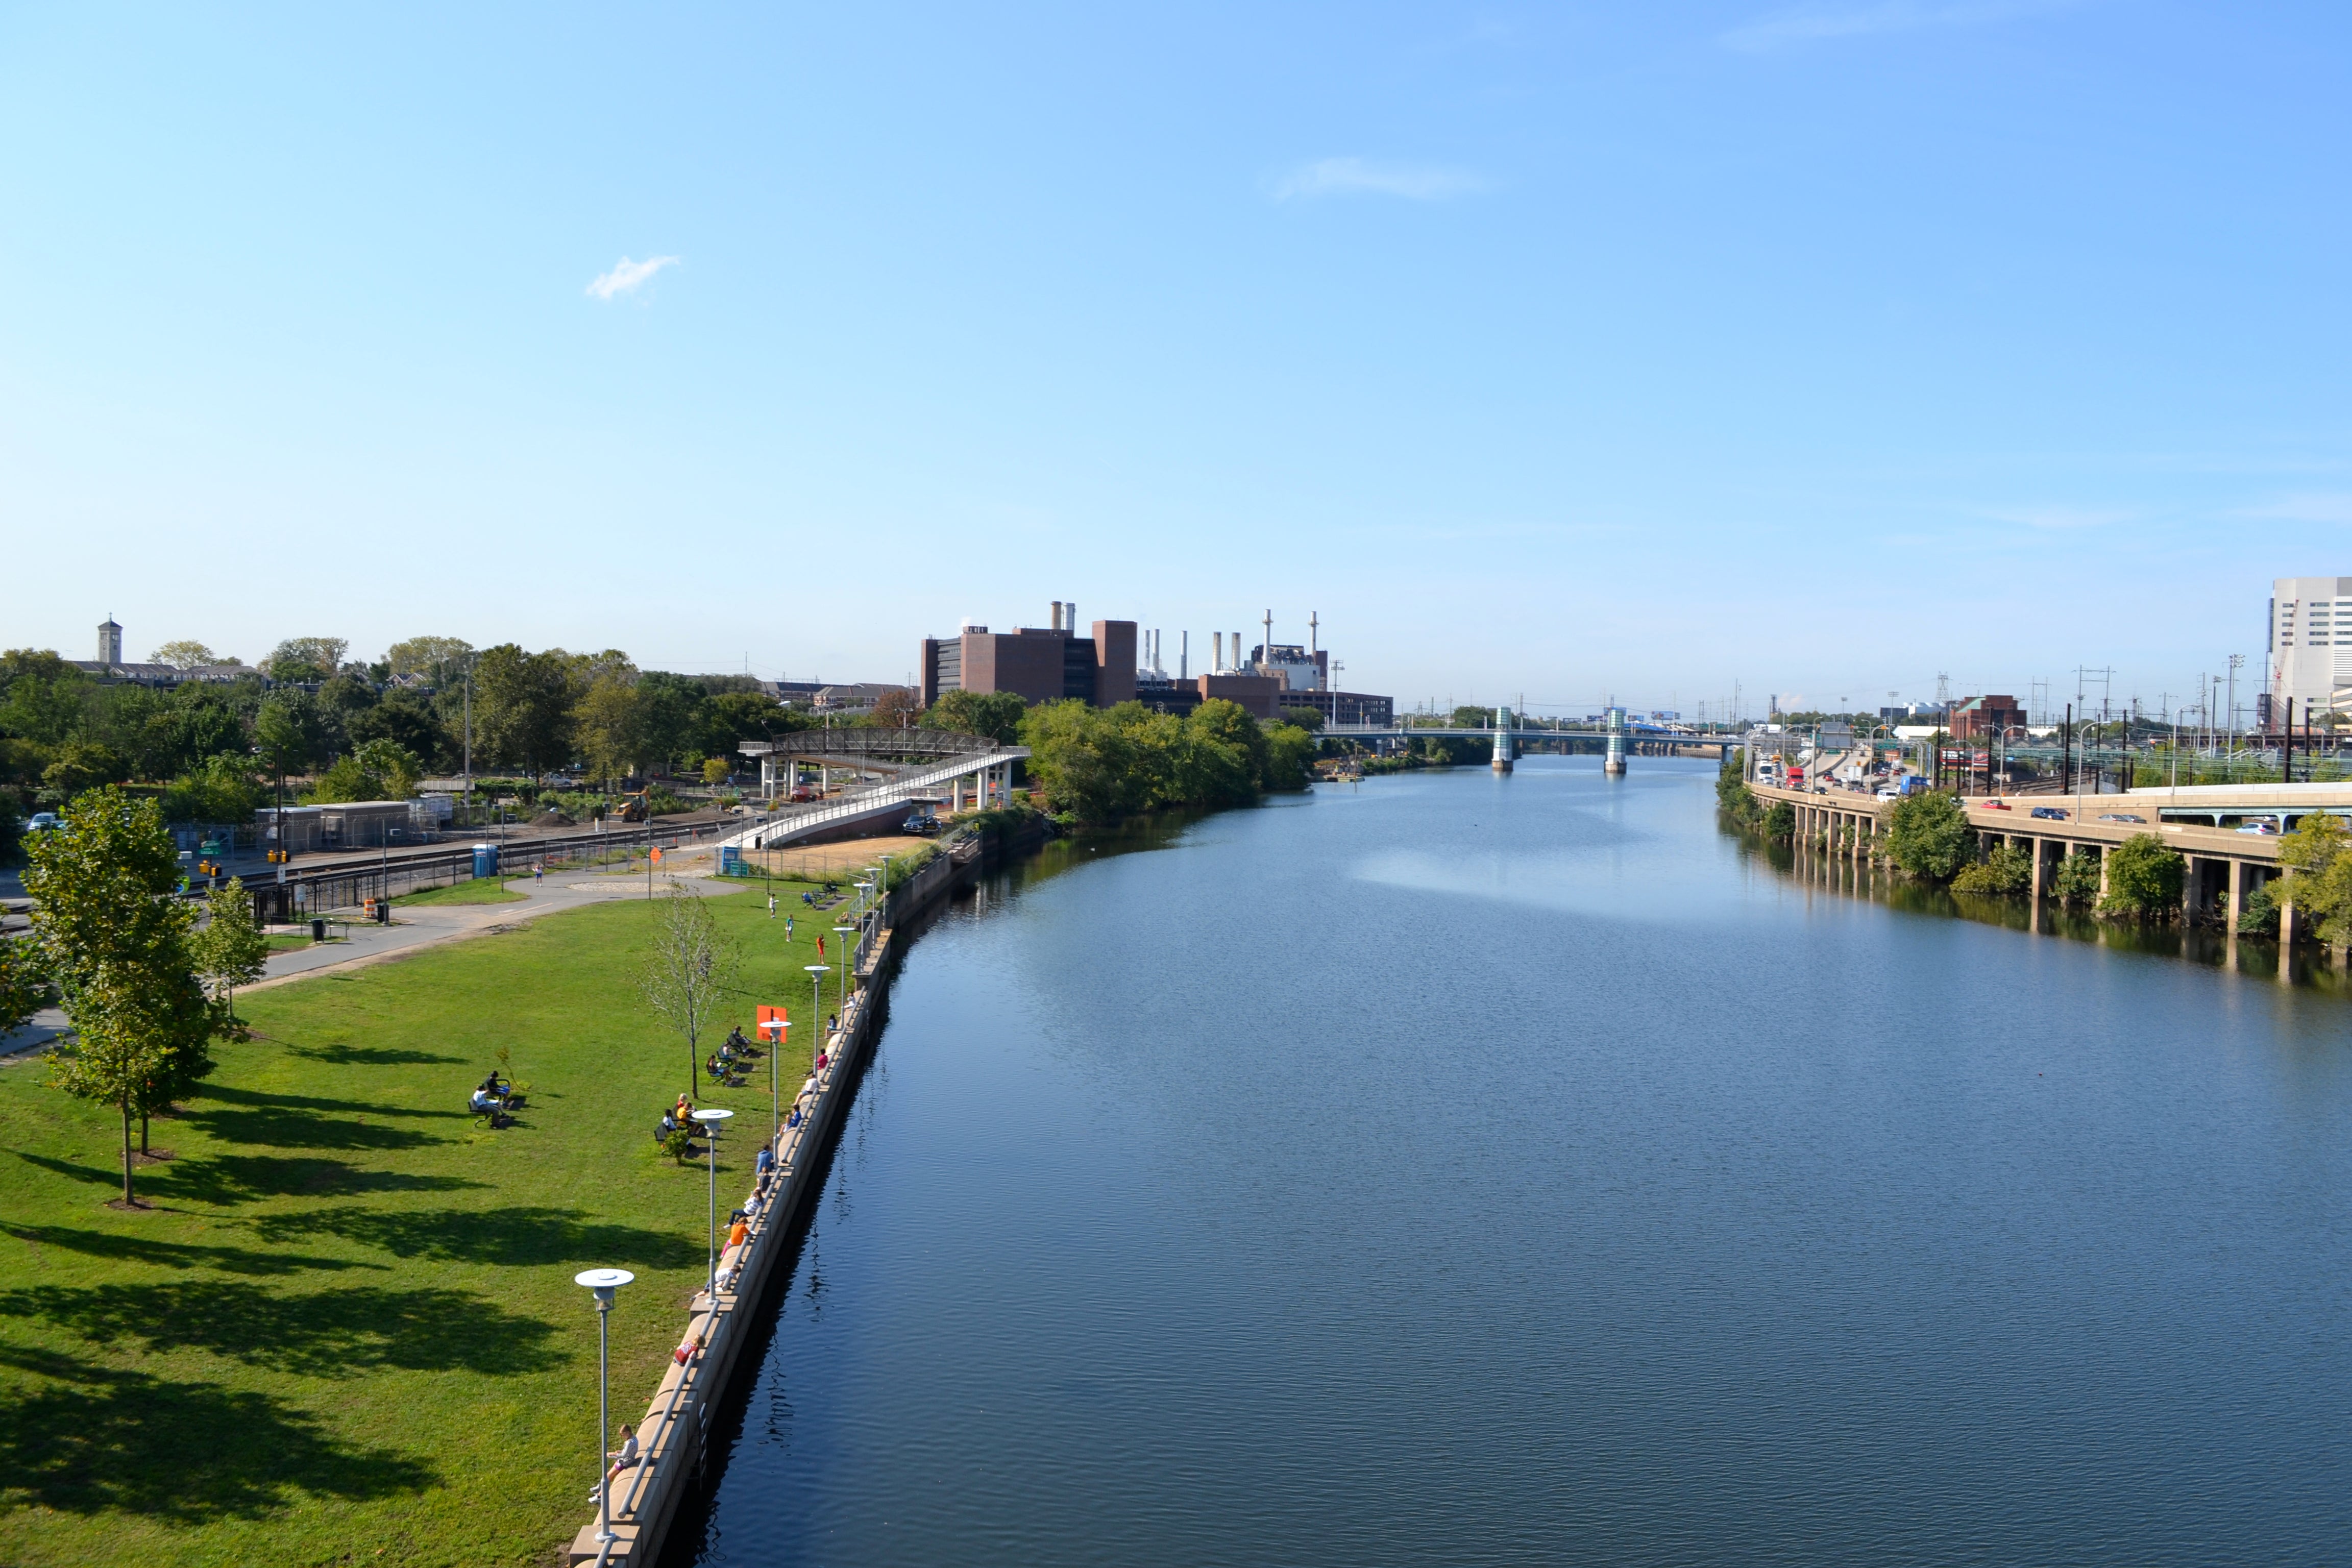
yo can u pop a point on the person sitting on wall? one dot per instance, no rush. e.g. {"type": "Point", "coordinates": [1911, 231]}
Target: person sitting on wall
{"type": "Point", "coordinates": [624, 1458]}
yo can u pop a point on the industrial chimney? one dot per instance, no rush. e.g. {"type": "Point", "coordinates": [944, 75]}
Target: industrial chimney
{"type": "Point", "coordinates": [1057, 615]}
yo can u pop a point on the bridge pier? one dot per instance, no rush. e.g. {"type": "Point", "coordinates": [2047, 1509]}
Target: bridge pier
{"type": "Point", "coordinates": [2238, 892]}
{"type": "Point", "coordinates": [1503, 749]}
{"type": "Point", "coordinates": [1613, 765]}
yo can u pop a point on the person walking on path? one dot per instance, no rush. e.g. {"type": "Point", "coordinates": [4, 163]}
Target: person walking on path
{"type": "Point", "coordinates": [539, 876]}
{"type": "Point", "coordinates": [771, 912]}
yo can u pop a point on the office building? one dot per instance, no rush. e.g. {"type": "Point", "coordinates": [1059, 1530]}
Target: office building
{"type": "Point", "coordinates": [1984, 718]}
{"type": "Point", "coordinates": [2307, 659]}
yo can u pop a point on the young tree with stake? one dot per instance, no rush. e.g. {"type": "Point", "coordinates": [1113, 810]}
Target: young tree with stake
{"type": "Point", "coordinates": [115, 942]}
{"type": "Point", "coordinates": [230, 951]}
{"type": "Point", "coordinates": [689, 972]}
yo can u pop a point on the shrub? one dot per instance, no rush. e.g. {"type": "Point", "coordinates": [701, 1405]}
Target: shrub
{"type": "Point", "coordinates": [2008, 869]}
{"type": "Point", "coordinates": [1780, 821]}
{"type": "Point", "coordinates": [2077, 880]}
{"type": "Point", "coordinates": [1928, 835]}
{"type": "Point", "coordinates": [2144, 878]}
{"type": "Point", "coordinates": [2259, 915]}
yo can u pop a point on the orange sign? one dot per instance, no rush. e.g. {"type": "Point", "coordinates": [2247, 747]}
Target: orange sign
{"type": "Point", "coordinates": [657, 857]}
{"type": "Point", "coordinates": [773, 1023]}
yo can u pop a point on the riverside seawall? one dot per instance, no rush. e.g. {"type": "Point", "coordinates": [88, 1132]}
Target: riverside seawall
{"type": "Point", "coordinates": [672, 1431]}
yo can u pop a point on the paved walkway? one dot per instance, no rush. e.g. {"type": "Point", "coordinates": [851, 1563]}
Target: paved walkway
{"type": "Point", "coordinates": [419, 926]}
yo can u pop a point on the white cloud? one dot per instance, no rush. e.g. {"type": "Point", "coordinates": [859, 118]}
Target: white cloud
{"type": "Point", "coordinates": [627, 276]}
{"type": "Point", "coordinates": [2326, 506]}
{"type": "Point", "coordinates": [1363, 176]}
{"type": "Point", "coordinates": [1806, 23]}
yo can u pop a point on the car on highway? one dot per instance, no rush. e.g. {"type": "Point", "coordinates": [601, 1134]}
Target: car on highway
{"type": "Point", "coordinates": [2121, 816]}
{"type": "Point", "coordinates": [1996, 803]}
{"type": "Point", "coordinates": [2259, 825]}
{"type": "Point", "coordinates": [2051, 812]}
{"type": "Point", "coordinates": [1890, 794]}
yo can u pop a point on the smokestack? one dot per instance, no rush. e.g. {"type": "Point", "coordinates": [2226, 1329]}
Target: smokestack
{"type": "Point", "coordinates": [1238, 667]}
{"type": "Point", "coordinates": [1217, 663]}
{"type": "Point", "coordinates": [1070, 616]}
{"type": "Point", "coordinates": [1311, 637]}
{"type": "Point", "coordinates": [1057, 615]}
{"type": "Point", "coordinates": [1183, 656]}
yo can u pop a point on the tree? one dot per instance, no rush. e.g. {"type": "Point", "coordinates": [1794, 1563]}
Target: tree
{"type": "Point", "coordinates": [433, 657]}
{"type": "Point", "coordinates": [2319, 882]}
{"type": "Point", "coordinates": [896, 708]}
{"type": "Point", "coordinates": [184, 654]}
{"type": "Point", "coordinates": [2076, 880]}
{"type": "Point", "coordinates": [714, 771]}
{"type": "Point", "coordinates": [296, 657]}
{"type": "Point", "coordinates": [523, 706]}
{"type": "Point", "coordinates": [230, 950]}
{"type": "Point", "coordinates": [379, 770]}
{"type": "Point", "coordinates": [688, 972]}
{"type": "Point", "coordinates": [408, 722]}
{"type": "Point", "coordinates": [2144, 878]}
{"type": "Point", "coordinates": [289, 730]}
{"type": "Point", "coordinates": [993, 715]}
{"type": "Point", "coordinates": [24, 987]}
{"type": "Point", "coordinates": [2008, 869]}
{"type": "Point", "coordinates": [668, 706]}
{"type": "Point", "coordinates": [606, 725]}
{"type": "Point", "coordinates": [1928, 835]}
{"type": "Point", "coordinates": [84, 765]}
{"type": "Point", "coordinates": [223, 790]}
{"type": "Point", "coordinates": [116, 943]}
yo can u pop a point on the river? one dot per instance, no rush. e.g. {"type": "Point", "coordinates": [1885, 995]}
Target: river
{"type": "Point", "coordinates": [1463, 1169]}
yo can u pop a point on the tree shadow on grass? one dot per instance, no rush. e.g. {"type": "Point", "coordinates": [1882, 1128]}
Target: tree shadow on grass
{"type": "Point", "coordinates": [97, 1440]}
{"type": "Point", "coordinates": [229, 1096]}
{"type": "Point", "coordinates": [92, 1175]}
{"type": "Point", "coordinates": [520, 1237]}
{"type": "Point", "coordinates": [176, 1253]}
{"type": "Point", "coordinates": [225, 1179]}
{"type": "Point", "coordinates": [329, 1333]}
{"type": "Point", "coordinates": [283, 1126]}
{"type": "Point", "coordinates": [372, 1055]}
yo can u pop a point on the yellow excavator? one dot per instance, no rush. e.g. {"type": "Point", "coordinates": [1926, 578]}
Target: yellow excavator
{"type": "Point", "coordinates": [633, 806]}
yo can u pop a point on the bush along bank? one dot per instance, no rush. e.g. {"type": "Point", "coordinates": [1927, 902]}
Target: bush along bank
{"type": "Point", "coordinates": [1098, 765]}
{"type": "Point", "coordinates": [1745, 812]}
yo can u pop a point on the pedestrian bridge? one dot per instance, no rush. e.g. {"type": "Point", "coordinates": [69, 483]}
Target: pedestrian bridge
{"type": "Point", "coordinates": [921, 765]}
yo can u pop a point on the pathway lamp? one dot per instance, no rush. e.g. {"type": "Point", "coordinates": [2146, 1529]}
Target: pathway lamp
{"type": "Point", "coordinates": [816, 974]}
{"type": "Point", "coordinates": [845, 932]}
{"type": "Point", "coordinates": [602, 1283]}
{"type": "Point", "coordinates": [710, 1119]}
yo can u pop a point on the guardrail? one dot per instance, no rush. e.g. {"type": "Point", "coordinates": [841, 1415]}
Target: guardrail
{"type": "Point", "coordinates": [793, 823]}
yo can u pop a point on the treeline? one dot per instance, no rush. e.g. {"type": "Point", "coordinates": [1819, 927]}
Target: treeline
{"type": "Point", "coordinates": [1099, 765]}
{"type": "Point", "coordinates": [209, 749]}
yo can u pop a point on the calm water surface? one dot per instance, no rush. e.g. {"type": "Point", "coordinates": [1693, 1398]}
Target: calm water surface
{"type": "Point", "coordinates": [1513, 1170]}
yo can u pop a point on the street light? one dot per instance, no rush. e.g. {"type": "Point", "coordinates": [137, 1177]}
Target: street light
{"type": "Point", "coordinates": [602, 1283]}
{"type": "Point", "coordinates": [816, 974]}
{"type": "Point", "coordinates": [775, 1091]}
{"type": "Point", "coordinates": [711, 1120]}
{"type": "Point", "coordinates": [845, 932]}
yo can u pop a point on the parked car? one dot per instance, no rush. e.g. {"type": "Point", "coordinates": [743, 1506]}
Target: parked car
{"type": "Point", "coordinates": [44, 822]}
{"type": "Point", "coordinates": [2121, 816]}
{"type": "Point", "coordinates": [2259, 825]}
{"type": "Point", "coordinates": [1996, 803]}
{"type": "Point", "coordinates": [2053, 812]}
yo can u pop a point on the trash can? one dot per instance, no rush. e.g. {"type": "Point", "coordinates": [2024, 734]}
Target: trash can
{"type": "Point", "coordinates": [318, 930]}
{"type": "Point", "coordinates": [485, 859]}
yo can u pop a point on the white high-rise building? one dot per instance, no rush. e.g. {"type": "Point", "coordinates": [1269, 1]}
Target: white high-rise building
{"type": "Point", "coordinates": [2310, 659]}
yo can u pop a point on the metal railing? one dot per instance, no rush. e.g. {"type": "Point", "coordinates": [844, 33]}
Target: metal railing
{"type": "Point", "coordinates": [793, 822]}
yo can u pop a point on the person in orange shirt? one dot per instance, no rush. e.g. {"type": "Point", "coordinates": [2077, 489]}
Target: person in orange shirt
{"type": "Point", "coordinates": [737, 1232]}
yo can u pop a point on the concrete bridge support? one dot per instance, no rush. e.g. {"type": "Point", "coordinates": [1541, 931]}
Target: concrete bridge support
{"type": "Point", "coordinates": [1504, 754]}
{"type": "Point", "coordinates": [1613, 765]}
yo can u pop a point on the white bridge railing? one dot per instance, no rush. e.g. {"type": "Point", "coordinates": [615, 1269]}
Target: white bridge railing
{"type": "Point", "coordinates": [793, 822]}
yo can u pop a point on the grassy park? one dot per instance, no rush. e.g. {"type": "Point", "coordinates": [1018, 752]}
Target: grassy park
{"type": "Point", "coordinates": [346, 1331]}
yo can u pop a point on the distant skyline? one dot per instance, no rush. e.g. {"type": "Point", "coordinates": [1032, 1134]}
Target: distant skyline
{"type": "Point", "coordinates": [1569, 351]}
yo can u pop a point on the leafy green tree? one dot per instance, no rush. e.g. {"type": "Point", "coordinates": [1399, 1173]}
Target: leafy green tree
{"type": "Point", "coordinates": [2076, 880]}
{"type": "Point", "coordinates": [306, 658]}
{"type": "Point", "coordinates": [607, 725]}
{"type": "Point", "coordinates": [523, 706]}
{"type": "Point", "coordinates": [993, 715]}
{"type": "Point", "coordinates": [668, 708]}
{"type": "Point", "coordinates": [2259, 915]}
{"type": "Point", "coordinates": [408, 722]}
{"type": "Point", "coordinates": [84, 765]}
{"type": "Point", "coordinates": [290, 733]}
{"type": "Point", "coordinates": [439, 659]}
{"type": "Point", "coordinates": [1289, 758]}
{"type": "Point", "coordinates": [230, 949]}
{"type": "Point", "coordinates": [43, 696]}
{"type": "Point", "coordinates": [116, 943]}
{"type": "Point", "coordinates": [1780, 821]}
{"type": "Point", "coordinates": [379, 770]}
{"type": "Point", "coordinates": [2319, 881]}
{"type": "Point", "coordinates": [1927, 835]}
{"type": "Point", "coordinates": [24, 985]}
{"type": "Point", "coordinates": [184, 653]}
{"type": "Point", "coordinates": [223, 790]}
{"type": "Point", "coordinates": [2008, 869]}
{"type": "Point", "coordinates": [714, 771]}
{"type": "Point", "coordinates": [2144, 878]}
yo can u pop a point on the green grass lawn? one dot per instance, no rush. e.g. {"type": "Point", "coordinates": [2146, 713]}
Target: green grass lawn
{"type": "Point", "coordinates": [478, 890]}
{"type": "Point", "coordinates": [347, 1332]}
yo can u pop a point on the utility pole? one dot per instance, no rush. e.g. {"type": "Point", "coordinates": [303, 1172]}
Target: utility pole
{"type": "Point", "coordinates": [2237, 662]}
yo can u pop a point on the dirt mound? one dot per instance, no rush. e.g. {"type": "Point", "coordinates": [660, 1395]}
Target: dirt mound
{"type": "Point", "coordinates": [552, 819]}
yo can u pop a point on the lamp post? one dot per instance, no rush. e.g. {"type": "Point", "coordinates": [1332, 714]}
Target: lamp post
{"type": "Point", "coordinates": [710, 1119]}
{"type": "Point", "coordinates": [602, 1283]}
{"type": "Point", "coordinates": [816, 974]}
{"type": "Point", "coordinates": [775, 1084]}
{"type": "Point", "coordinates": [845, 932]}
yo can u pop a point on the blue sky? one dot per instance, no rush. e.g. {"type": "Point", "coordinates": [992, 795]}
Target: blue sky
{"type": "Point", "coordinates": [1560, 351]}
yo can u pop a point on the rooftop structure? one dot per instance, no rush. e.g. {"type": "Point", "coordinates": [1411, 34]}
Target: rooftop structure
{"type": "Point", "coordinates": [1039, 664]}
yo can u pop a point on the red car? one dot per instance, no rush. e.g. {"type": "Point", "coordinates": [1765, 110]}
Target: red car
{"type": "Point", "coordinates": [1995, 803]}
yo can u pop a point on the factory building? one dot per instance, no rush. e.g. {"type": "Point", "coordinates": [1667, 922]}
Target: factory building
{"type": "Point", "coordinates": [1039, 664]}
